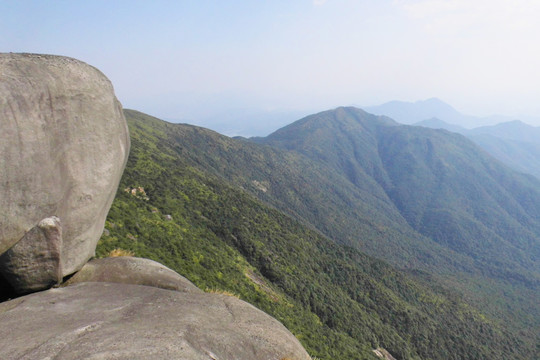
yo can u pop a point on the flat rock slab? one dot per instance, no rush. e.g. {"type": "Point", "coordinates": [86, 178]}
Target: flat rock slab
{"type": "Point", "coordinates": [121, 321]}
{"type": "Point", "coordinates": [64, 144]}
{"type": "Point", "coordinates": [132, 270]}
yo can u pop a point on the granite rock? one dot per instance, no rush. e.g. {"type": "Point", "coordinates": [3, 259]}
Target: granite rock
{"type": "Point", "coordinates": [132, 270]}
{"type": "Point", "coordinates": [34, 262]}
{"type": "Point", "coordinates": [64, 144]}
{"type": "Point", "coordinates": [122, 321]}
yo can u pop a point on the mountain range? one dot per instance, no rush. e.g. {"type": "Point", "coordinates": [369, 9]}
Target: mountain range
{"type": "Point", "coordinates": [514, 143]}
{"type": "Point", "coordinates": [353, 230]}
{"type": "Point", "coordinates": [445, 188]}
{"type": "Point", "coordinates": [412, 112]}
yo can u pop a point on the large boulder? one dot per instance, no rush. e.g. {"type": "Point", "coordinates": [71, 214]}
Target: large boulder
{"type": "Point", "coordinates": [132, 270]}
{"type": "Point", "coordinates": [34, 262]}
{"type": "Point", "coordinates": [64, 144]}
{"type": "Point", "coordinates": [122, 321]}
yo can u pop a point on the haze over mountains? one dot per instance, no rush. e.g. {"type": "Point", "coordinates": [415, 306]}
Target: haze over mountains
{"type": "Point", "coordinates": [412, 112]}
{"type": "Point", "coordinates": [509, 140]}
{"type": "Point", "coordinates": [514, 143]}
{"type": "Point", "coordinates": [245, 121]}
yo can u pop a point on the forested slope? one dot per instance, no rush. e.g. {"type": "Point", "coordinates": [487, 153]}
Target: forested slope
{"type": "Point", "coordinates": [417, 198]}
{"type": "Point", "coordinates": [448, 190]}
{"type": "Point", "coordinates": [339, 302]}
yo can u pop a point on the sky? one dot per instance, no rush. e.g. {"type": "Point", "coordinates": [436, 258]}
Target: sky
{"type": "Point", "coordinates": [205, 61]}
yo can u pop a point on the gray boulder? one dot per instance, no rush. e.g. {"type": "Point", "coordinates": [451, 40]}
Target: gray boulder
{"type": "Point", "coordinates": [64, 144]}
{"type": "Point", "coordinates": [132, 270]}
{"type": "Point", "coordinates": [121, 321]}
{"type": "Point", "coordinates": [34, 262]}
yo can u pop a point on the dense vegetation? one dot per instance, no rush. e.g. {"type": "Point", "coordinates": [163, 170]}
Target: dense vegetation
{"type": "Point", "coordinates": [443, 185]}
{"type": "Point", "coordinates": [190, 215]}
{"type": "Point", "coordinates": [514, 143]}
{"type": "Point", "coordinates": [446, 189]}
{"type": "Point", "coordinates": [471, 223]}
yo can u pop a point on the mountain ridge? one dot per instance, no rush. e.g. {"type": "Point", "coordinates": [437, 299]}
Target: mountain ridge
{"type": "Point", "coordinates": [429, 144]}
{"type": "Point", "coordinates": [454, 219]}
{"type": "Point", "coordinates": [514, 143]}
{"type": "Point", "coordinates": [324, 199]}
{"type": "Point", "coordinates": [412, 112]}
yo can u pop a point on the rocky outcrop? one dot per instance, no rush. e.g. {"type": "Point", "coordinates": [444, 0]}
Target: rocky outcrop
{"type": "Point", "coordinates": [383, 354]}
{"type": "Point", "coordinates": [122, 321]}
{"type": "Point", "coordinates": [132, 270]}
{"type": "Point", "coordinates": [64, 144]}
{"type": "Point", "coordinates": [34, 263]}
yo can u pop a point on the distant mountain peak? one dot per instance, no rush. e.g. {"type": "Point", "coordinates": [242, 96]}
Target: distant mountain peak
{"type": "Point", "coordinates": [514, 130]}
{"type": "Point", "coordinates": [433, 100]}
{"type": "Point", "coordinates": [413, 112]}
{"type": "Point", "coordinates": [343, 118]}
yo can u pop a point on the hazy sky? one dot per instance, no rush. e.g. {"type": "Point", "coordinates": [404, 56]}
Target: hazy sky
{"type": "Point", "coordinates": [194, 59]}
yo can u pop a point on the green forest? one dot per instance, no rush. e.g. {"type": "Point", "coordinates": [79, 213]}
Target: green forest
{"type": "Point", "coordinates": [218, 222]}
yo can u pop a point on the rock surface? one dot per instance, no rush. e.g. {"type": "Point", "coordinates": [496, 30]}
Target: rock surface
{"type": "Point", "coordinates": [132, 270]}
{"type": "Point", "coordinates": [34, 262]}
{"type": "Point", "coordinates": [120, 321]}
{"type": "Point", "coordinates": [64, 144]}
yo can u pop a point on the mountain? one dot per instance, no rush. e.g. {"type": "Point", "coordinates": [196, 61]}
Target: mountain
{"type": "Point", "coordinates": [512, 130]}
{"type": "Point", "coordinates": [357, 214]}
{"type": "Point", "coordinates": [514, 143]}
{"type": "Point", "coordinates": [480, 213]}
{"type": "Point", "coordinates": [195, 210]}
{"type": "Point", "coordinates": [521, 156]}
{"type": "Point", "coordinates": [413, 112]}
{"type": "Point", "coordinates": [418, 198]}
{"type": "Point", "coordinates": [428, 176]}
